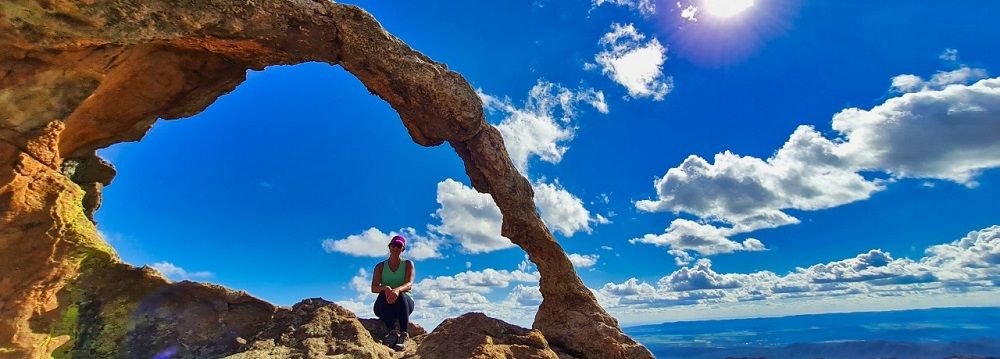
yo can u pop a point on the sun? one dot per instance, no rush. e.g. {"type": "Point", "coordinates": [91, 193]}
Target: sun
{"type": "Point", "coordinates": [726, 8]}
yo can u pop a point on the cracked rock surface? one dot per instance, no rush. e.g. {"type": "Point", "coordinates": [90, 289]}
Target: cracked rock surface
{"type": "Point", "coordinates": [76, 76]}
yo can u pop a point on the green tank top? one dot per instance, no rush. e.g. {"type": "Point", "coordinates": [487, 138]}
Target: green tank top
{"type": "Point", "coordinates": [394, 279]}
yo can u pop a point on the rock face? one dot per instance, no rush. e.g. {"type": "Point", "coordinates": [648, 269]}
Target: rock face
{"type": "Point", "coordinates": [474, 335]}
{"type": "Point", "coordinates": [314, 328]}
{"type": "Point", "coordinates": [78, 76]}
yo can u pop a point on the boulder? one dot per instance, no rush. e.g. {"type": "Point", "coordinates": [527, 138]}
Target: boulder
{"type": "Point", "coordinates": [315, 329]}
{"type": "Point", "coordinates": [474, 335]}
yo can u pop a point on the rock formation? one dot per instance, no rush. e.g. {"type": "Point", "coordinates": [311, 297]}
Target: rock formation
{"type": "Point", "coordinates": [474, 335]}
{"type": "Point", "coordinates": [76, 76]}
{"type": "Point", "coordinates": [314, 328]}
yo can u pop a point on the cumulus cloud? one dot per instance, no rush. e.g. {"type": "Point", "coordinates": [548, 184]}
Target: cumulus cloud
{"type": "Point", "coordinates": [474, 220]}
{"type": "Point", "coordinates": [685, 235]}
{"type": "Point", "coordinates": [948, 134]}
{"type": "Point", "coordinates": [940, 80]}
{"type": "Point", "coordinates": [700, 276]}
{"type": "Point", "coordinates": [688, 13]}
{"type": "Point", "coordinates": [805, 173]}
{"type": "Point", "coordinates": [969, 264]}
{"type": "Point", "coordinates": [361, 284]}
{"type": "Point", "coordinates": [482, 282]}
{"type": "Point", "coordinates": [681, 257]}
{"type": "Point", "coordinates": [949, 55]}
{"type": "Point", "coordinates": [583, 260]}
{"type": "Point", "coordinates": [177, 273]}
{"type": "Point", "coordinates": [645, 7]}
{"type": "Point", "coordinates": [372, 242]}
{"type": "Point", "coordinates": [634, 63]}
{"type": "Point", "coordinates": [631, 287]}
{"type": "Point", "coordinates": [543, 126]}
{"type": "Point", "coordinates": [977, 255]}
{"type": "Point", "coordinates": [470, 217]}
{"type": "Point", "coordinates": [527, 296]}
{"type": "Point", "coordinates": [560, 210]}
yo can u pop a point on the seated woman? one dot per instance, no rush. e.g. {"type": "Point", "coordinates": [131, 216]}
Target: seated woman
{"type": "Point", "coordinates": [392, 281]}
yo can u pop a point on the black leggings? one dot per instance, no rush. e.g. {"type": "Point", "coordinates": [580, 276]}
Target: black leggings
{"type": "Point", "coordinates": [390, 313]}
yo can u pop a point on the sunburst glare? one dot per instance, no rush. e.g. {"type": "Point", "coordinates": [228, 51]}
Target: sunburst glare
{"type": "Point", "coordinates": [726, 8]}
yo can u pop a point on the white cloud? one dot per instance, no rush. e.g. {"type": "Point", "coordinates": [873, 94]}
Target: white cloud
{"type": "Point", "coordinates": [472, 218]}
{"type": "Point", "coordinates": [361, 283]}
{"type": "Point", "coordinates": [528, 296]}
{"type": "Point", "coordinates": [977, 255]}
{"type": "Point", "coordinates": [583, 260]}
{"type": "Point", "coordinates": [689, 13]}
{"type": "Point", "coordinates": [560, 210]}
{"type": "Point", "coordinates": [700, 276]}
{"type": "Point", "coordinates": [482, 282]}
{"type": "Point", "coordinates": [949, 55]}
{"type": "Point", "coordinates": [965, 270]}
{"type": "Point", "coordinates": [645, 7]}
{"type": "Point", "coordinates": [177, 273]}
{"type": "Point", "coordinates": [685, 235]}
{"type": "Point", "coordinates": [631, 287]}
{"type": "Point", "coordinates": [947, 134]}
{"type": "Point", "coordinates": [543, 126]}
{"type": "Point", "coordinates": [907, 83]}
{"type": "Point", "coordinates": [635, 64]}
{"type": "Point", "coordinates": [372, 242]}
{"type": "Point", "coordinates": [749, 193]}
{"type": "Point", "coordinates": [970, 264]}
{"type": "Point", "coordinates": [940, 80]}
{"type": "Point", "coordinates": [681, 257]}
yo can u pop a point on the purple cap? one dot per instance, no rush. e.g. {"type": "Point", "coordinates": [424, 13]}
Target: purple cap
{"type": "Point", "coordinates": [398, 240]}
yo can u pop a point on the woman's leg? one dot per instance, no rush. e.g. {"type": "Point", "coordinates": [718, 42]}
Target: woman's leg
{"type": "Point", "coordinates": [403, 311]}
{"type": "Point", "coordinates": [385, 312]}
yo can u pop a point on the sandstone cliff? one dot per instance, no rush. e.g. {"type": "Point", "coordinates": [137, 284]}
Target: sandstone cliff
{"type": "Point", "coordinates": [76, 76]}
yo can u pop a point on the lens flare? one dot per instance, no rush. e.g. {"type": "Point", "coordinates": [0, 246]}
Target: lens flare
{"type": "Point", "coordinates": [726, 8]}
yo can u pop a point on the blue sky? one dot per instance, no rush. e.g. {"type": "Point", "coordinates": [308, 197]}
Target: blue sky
{"type": "Point", "coordinates": [796, 157]}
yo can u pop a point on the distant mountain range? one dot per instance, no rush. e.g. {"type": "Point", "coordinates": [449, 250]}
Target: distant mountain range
{"type": "Point", "coordinates": [926, 333]}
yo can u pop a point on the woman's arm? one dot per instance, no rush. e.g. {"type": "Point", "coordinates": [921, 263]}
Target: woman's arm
{"type": "Point", "coordinates": [377, 286]}
{"type": "Point", "coordinates": [409, 279]}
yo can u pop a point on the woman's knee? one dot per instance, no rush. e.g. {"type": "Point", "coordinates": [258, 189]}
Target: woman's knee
{"type": "Point", "coordinates": [406, 304]}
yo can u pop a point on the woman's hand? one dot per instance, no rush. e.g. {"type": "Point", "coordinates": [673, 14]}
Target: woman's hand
{"type": "Point", "coordinates": [391, 296]}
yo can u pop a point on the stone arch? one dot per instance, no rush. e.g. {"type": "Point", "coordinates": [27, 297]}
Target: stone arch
{"type": "Point", "coordinates": [77, 77]}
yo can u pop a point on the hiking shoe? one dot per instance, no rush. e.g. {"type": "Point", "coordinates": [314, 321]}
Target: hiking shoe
{"type": "Point", "coordinates": [401, 342]}
{"type": "Point", "coordinates": [390, 339]}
